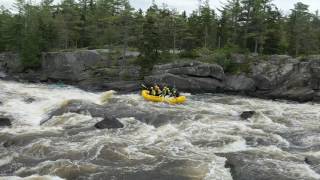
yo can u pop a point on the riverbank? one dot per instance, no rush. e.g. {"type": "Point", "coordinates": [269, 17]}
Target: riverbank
{"type": "Point", "coordinates": [268, 77]}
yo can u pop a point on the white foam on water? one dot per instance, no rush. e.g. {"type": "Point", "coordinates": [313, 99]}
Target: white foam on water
{"type": "Point", "coordinates": [46, 98]}
{"type": "Point", "coordinates": [294, 170]}
{"type": "Point", "coordinates": [217, 170]}
{"type": "Point", "coordinates": [69, 119]}
{"type": "Point", "coordinates": [32, 177]}
{"type": "Point", "coordinates": [7, 158]}
{"type": "Point", "coordinates": [213, 122]}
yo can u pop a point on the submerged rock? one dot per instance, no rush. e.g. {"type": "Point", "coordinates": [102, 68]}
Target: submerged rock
{"type": "Point", "coordinates": [264, 164]}
{"type": "Point", "coordinates": [313, 161]}
{"type": "Point", "coordinates": [109, 123]}
{"type": "Point", "coordinates": [247, 114]}
{"type": "Point", "coordinates": [76, 106]}
{"type": "Point", "coordinates": [4, 121]}
{"type": "Point", "coordinates": [29, 100]}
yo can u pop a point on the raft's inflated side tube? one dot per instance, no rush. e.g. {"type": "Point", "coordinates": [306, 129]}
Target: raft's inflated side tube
{"type": "Point", "coordinates": [171, 100]}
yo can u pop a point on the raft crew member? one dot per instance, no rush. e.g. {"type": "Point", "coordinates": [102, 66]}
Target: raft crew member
{"type": "Point", "coordinates": [175, 93]}
{"type": "Point", "coordinates": [153, 92]}
{"type": "Point", "coordinates": [158, 90]}
{"type": "Point", "coordinates": [166, 91]}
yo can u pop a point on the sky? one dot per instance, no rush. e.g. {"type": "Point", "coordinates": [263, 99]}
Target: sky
{"type": "Point", "coordinates": [190, 5]}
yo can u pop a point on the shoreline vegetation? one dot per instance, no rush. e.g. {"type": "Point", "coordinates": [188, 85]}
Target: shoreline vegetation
{"type": "Point", "coordinates": [160, 34]}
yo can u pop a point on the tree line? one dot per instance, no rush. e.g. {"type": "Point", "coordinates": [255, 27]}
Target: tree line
{"type": "Point", "coordinates": [256, 26]}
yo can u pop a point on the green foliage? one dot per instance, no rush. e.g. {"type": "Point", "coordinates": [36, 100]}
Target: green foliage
{"type": "Point", "coordinates": [221, 57]}
{"type": "Point", "coordinates": [189, 54]}
{"type": "Point", "coordinates": [160, 34]}
{"type": "Point", "coordinates": [303, 31]}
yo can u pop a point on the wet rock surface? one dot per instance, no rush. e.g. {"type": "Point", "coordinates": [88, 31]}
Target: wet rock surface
{"type": "Point", "coordinates": [239, 83]}
{"type": "Point", "coordinates": [5, 121]}
{"type": "Point", "coordinates": [89, 69]}
{"type": "Point", "coordinates": [109, 123]}
{"type": "Point", "coordinates": [257, 164]}
{"type": "Point", "coordinates": [114, 109]}
{"type": "Point", "coordinates": [29, 100]}
{"type": "Point", "coordinates": [192, 76]}
{"type": "Point", "coordinates": [247, 114]}
{"type": "Point", "coordinates": [277, 77]}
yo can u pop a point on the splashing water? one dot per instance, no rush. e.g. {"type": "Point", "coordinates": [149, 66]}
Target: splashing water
{"type": "Point", "coordinates": [177, 142]}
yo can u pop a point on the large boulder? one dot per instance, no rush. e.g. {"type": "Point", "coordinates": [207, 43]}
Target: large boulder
{"type": "Point", "coordinates": [270, 73]}
{"type": "Point", "coordinates": [109, 123]}
{"type": "Point", "coordinates": [10, 62]}
{"type": "Point", "coordinates": [70, 66]}
{"type": "Point", "coordinates": [315, 72]}
{"type": "Point", "coordinates": [91, 70]}
{"type": "Point", "coordinates": [186, 83]}
{"type": "Point", "coordinates": [301, 94]}
{"type": "Point", "coordinates": [4, 121]}
{"type": "Point", "coordinates": [188, 76]}
{"type": "Point", "coordinates": [282, 77]}
{"type": "Point", "coordinates": [239, 83]}
{"type": "Point", "coordinates": [194, 68]}
{"type": "Point", "coordinates": [76, 106]}
{"type": "Point", "coordinates": [247, 114]}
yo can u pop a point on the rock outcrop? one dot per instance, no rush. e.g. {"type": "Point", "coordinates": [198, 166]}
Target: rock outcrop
{"type": "Point", "coordinates": [274, 77]}
{"type": "Point", "coordinates": [239, 83]}
{"type": "Point", "coordinates": [70, 66]}
{"type": "Point", "coordinates": [89, 69]}
{"type": "Point", "coordinates": [286, 78]}
{"type": "Point", "coordinates": [10, 63]}
{"type": "Point", "coordinates": [191, 76]}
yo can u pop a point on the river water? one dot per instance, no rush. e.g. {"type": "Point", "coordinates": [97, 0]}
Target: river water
{"type": "Point", "coordinates": [186, 141]}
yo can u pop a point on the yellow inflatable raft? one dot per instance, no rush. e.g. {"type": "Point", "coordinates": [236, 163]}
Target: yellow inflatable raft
{"type": "Point", "coordinates": [171, 100]}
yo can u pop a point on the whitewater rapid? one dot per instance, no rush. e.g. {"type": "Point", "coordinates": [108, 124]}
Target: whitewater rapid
{"type": "Point", "coordinates": [189, 145]}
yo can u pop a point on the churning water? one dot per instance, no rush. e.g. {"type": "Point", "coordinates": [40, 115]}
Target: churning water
{"type": "Point", "coordinates": [177, 142]}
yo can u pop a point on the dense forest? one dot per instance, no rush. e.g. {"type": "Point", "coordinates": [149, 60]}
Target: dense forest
{"type": "Point", "coordinates": [245, 26]}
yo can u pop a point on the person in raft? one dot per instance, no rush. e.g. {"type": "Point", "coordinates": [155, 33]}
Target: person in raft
{"type": "Point", "coordinates": [156, 91]}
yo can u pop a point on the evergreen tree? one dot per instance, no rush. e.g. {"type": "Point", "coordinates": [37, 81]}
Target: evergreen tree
{"type": "Point", "coordinates": [301, 37]}
{"type": "Point", "coordinates": [30, 49]}
{"type": "Point", "coordinates": [158, 33]}
{"type": "Point", "coordinates": [150, 47]}
{"type": "Point", "coordinates": [274, 36]}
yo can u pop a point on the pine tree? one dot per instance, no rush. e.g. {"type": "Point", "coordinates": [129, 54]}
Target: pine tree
{"type": "Point", "coordinates": [301, 38]}
{"type": "Point", "coordinates": [150, 47]}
